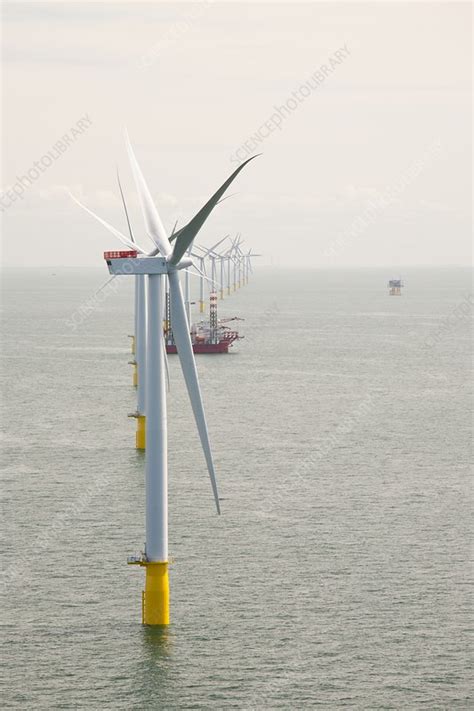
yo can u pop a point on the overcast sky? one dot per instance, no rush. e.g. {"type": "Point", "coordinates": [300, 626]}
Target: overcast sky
{"type": "Point", "coordinates": [369, 165]}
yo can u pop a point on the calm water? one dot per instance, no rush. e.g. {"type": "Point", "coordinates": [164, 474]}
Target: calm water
{"type": "Point", "coordinates": [337, 576]}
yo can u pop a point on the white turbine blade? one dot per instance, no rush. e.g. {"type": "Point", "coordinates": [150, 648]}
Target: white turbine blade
{"type": "Point", "coordinates": [213, 248]}
{"type": "Point", "coordinates": [114, 276]}
{"type": "Point", "coordinates": [184, 347]}
{"type": "Point", "coordinates": [204, 250]}
{"type": "Point", "coordinates": [130, 231]}
{"type": "Point", "coordinates": [154, 225]}
{"type": "Point", "coordinates": [174, 227]}
{"type": "Point", "coordinates": [226, 198]}
{"type": "Point", "coordinates": [199, 274]}
{"type": "Point", "coordinates": [229, 252]}
{"type": "Point", "coordinates": [116, 233]}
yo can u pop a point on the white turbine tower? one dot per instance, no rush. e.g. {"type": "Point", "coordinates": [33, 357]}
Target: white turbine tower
{"type": "Point", "coordinates": [206, 253]}
{"type": "Point", "coordinates": [237, 260]}
{"type": "Point", "coordinates": [202, 269]}
{"type": "Point", "coordinates": [187, 292]}
{"type": "Point", "coordinates": [222, 261]}
{"type": "Point", "coordinates": [134, 338]}
{"type": "Point", "coordinates": [213, 256]}
{"type": "Point", "coordinates": [139, 340]}
{"type": "Point", "coordinates": [162, 263]}
{"type": "Point", "coordinates": [137, 293]}
{"type": "Point", "coordinates": [230, 264]}
{"type": "Point", "coordinates": [248, 264]}
{"type": "Point", "coordinates": [240, 257]}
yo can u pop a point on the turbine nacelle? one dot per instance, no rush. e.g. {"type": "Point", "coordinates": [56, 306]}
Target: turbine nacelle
{"type": "Point", "coordinates": [143, 264]}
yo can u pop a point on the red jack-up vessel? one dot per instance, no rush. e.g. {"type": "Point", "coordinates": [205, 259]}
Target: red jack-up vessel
{"type": "Point", "coordinates": [206, 336]}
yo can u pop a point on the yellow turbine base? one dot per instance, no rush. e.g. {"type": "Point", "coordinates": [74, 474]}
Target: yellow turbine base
{"type": "Point", "coordinates": [140, 436]}
{"type": "Point", "coordinates": [132, 338]}
{"type": "Point", "coordinates": [135, 375]}
{"type": "Point", "coordinates": [202, 307]}
{"type": "Point", "coordinates": [156, 596]}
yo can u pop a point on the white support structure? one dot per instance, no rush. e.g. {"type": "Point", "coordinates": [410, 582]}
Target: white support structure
{"type": "Point", "coordinates": [212, 259]}
{"type": "Point", "coordinates": [229, 263]}
{"type": "Point", "coordinates": [135, 325]}
{"type": "Point", "coordinates": [221, 289]}
{"type": "Point", "coordinates": [156, 465]}
{"type": "Point", "coordinates": [187, 296]}
{"type": "Point", "coordinates": [140, 342]}
{"type": "Point", "coordinates": [202, 267]}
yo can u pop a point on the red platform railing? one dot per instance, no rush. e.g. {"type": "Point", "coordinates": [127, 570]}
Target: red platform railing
{"type": "Point", "coordinates": [120, 254]}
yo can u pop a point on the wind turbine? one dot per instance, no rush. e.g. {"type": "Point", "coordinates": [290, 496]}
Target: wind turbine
{"type": "Point", "coordinates": [230, 262]}
{"type": "Point", "coordinates": [236, 258]}
{"type": "Point", "coordinates": [133, 337]}
{"type": "Point", "coordinates": [222, 260]}
{"type": "Point", "coordinates": [162, 264]}
{"type": "Point", "coordinates": [137, 292]}
{"type": "Point", "coordinates": [187, 292]}
{"type": "Point", "coordinates": [248, 264]}
{"type": "Point", "coordinates": [202, 277]}
{"type": "Point", "coordinates": [202, 269]}
{"type": "Point", "coordinates": [206, 252]}
{"type": "Point", "coordinates": [139, 339]}
{"type": "Point", "coordinates": [213, 256]}
{"type": "Point", "coordinates": [240, 263]}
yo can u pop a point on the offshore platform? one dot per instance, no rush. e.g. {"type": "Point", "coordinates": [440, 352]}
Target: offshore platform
{"type": "Point", "coordinates": [395, 287]}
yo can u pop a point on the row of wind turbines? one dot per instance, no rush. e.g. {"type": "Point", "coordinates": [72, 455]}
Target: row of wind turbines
{"type": "Point", "coordinates": [225, 263]}
{"type": "Point", "coordinates": [157, 271]}
{"type": "Point", "coordinates": [226, 269]}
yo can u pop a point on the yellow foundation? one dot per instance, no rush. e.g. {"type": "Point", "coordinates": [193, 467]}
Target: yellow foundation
{"type": "Point", "coordinates": [135, 375]}
{"type": "Point", "coordinates": [202, 307]}
{"type": "Point", "coordinates": [132, 344]}
{"type": "Point", "coordinates": [156, 596]}
{"type": "Point", "coordinates": [140, 436]}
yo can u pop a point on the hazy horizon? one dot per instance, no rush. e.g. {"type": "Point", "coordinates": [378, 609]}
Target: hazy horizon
{"type": "Point", "coordinates": [365, 163]}
{"type": "Point", "coordinates": [266, 267]}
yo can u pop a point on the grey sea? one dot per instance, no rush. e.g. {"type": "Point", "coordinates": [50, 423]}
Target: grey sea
{"type": "Point", "coordinates": [337, 575]}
